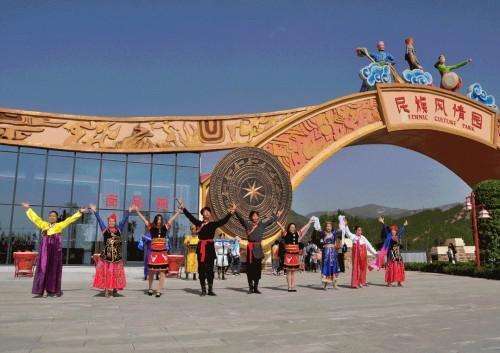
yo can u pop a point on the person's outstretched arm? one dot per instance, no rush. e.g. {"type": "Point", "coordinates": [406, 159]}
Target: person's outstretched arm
{"type": "Point", "coordinates": [141, 216]}
{"type": "Point", "coordinates": [125, 217]}
{"type": "Point", "coordinates": [101, 223]}
{"type": "Point", "coordinates": [459, 65]}
{"type": "Point", "coordinates": [231, 210]}
{"type": "Point", "coordinates": [34, 218]}
{"type": "Point", "coordinates": [191, 218]}
{"type": "Point", "coordinates": [220, 222]}
{"type": "Point", "coordinates": [348, 232]}
{"type": "Point", "coordinates": [172, 219]}
{"type": "Point", "coordinates": [59, 227]}
{"type": "Point", "coordinates": [272, 219]}
{"type": "Point", "coordinates": [282, 227]}
{"type": "Point", "coordinates": [242, 221]}
{"type": "Point", "coordinates": [304, 230]}
{"type": "Point", "coordinates": [369, 246]}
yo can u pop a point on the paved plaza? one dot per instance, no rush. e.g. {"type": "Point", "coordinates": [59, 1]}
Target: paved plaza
{"type": "Point", "coordinates": [432, 313]}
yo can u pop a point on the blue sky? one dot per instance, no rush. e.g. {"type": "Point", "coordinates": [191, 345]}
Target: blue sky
{"type": "Point", "coordinates": [222, 57]}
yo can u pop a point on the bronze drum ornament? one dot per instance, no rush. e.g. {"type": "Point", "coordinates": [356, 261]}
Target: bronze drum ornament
{"type": "Point", "coordinates": [253, 179]}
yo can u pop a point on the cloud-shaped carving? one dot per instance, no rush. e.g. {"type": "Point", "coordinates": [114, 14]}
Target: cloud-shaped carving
{"type": "Point", "coordinates": [476, 92]}
{"type": "Point", "coordinates": [375, 73]}
{"type": "Point", "coordinates": [417, 77]}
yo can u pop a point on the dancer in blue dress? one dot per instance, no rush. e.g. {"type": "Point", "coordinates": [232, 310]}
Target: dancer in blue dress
{"type": "Point", "coordinates": [330, 265]}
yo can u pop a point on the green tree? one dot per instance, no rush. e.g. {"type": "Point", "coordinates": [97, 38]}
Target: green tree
{"type": "Point", "coordinates": [488, 194]}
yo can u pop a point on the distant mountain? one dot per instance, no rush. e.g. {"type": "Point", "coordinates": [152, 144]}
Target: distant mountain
{"type": "Point", "coordinates": [294, 217]}
{"type": "Point", "coordinates": [426, 228]}
{"type": "Point", "coordinates": [374, 211]}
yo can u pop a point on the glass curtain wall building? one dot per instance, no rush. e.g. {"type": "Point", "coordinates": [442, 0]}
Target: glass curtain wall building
{"type": "Point", "coordinates": [64, 181]}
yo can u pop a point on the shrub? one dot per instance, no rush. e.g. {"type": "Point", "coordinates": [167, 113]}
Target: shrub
{"type": "Point", "coordinates": [488, 194]}
{"type": "Point", "coordinates": [489, 271]}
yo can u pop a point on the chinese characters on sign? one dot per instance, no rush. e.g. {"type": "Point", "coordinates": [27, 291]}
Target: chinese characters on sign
{"type": "Point", "coordinates": [137, 201]}
{"type": "Point", "coordinates": [423, 108]}
{"type": "Point", "coordinates": [161, 204]}
{"type": "Point", "coordinates": [111, 200]}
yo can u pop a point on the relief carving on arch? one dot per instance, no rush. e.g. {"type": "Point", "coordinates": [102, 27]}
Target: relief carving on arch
{"type": "Point", "coordinates": [91, 133]}
{"type": "Point", "coordinates": [18, 127]}
{"type": "Point", "coordinates": [296, 146]}
{"type": "Point", "coordinates": [168, 134]}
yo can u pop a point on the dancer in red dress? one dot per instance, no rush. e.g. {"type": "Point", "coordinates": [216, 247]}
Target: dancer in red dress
{"type": "Point", "coordinates": [395, 268]}
{"type": "Point", "coordinates": [158, 258]}
{"type": "Point", "coordinates": [360, 247]}
{"type": "Point", "coordinates": [291, 238]}
{"type": "Point", "coordinates": [109, 270]}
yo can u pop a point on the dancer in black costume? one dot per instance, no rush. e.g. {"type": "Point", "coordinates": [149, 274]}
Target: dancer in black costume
{"type": "Point", "coordinates": [206, 251]}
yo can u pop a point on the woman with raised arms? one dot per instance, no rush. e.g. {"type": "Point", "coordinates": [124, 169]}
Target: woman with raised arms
{"type": "Point", "coordinates": [291, 238]}
{"type": "Point", "coordinates": [109, 270]}
{"type": "Point", "coordinates": [158, 256]}
{"type": "Point", "coordinates": [48, 275]}
{"type": "Point", "coordinates": [205, 250]}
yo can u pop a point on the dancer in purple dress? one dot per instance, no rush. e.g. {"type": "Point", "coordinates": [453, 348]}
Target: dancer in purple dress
{"type": "Point", "coordinates": [47, 280]}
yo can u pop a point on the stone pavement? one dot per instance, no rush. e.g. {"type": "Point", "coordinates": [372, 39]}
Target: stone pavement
{"type": "Point", "coordinates": [432, 313]}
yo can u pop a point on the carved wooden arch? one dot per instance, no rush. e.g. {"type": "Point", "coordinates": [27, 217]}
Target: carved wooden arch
{"type": "Point", "coordinates": [438, 123]}
{"type": "Point", "coordinates": [371, 118]}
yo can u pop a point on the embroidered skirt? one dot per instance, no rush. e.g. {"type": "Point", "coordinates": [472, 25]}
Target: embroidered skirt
{"type": "Point", "coordinates": [158, 258]}
{"type": "Point", "coordinates": [330, 266]}
{"type": "Point", "coordinates": [109, 275]}
{"type": "Point", "coordinates": [395, 271]}
{"type": "Point", "coordinates": [292, 257]}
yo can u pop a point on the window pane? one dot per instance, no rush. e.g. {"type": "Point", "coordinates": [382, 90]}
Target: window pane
{"type": "Point", "coordinates": [112, 185]}
{"type": "Point", "coordinates": [8, 148]}
{"type": "Point", "coordinates": [138, 176]}
{"type": "Point", "coordinates": [5, 212]}
{"type": "Point", "coordinates": [88, 155]}
{"type": "Point", "coordinates": [188, 159]}
{"type": "Point", "coordinates": [141, 158]}
{"type": "Point", "coordinates": [58, 183]}
{"type": "Point", "coordinates": [61, 153]}
{"type": "Point", "coordinates": [180, 228]}
{"type": "Point", "coordinates": [7, 176]}
{"type": "Point", "coordinates": [30, 177]}
{"type": "Point", "coordinates": [164, 158]}
{"type": "Point", "coordinates": [86, 181]}
{"type": "Point", "coordinates": [25, 236]}
{"type": "Point", "coordinates": [82, 238]}
{"type": "Point", "coordinates": [187, 187]}
{"type": "Point", "coordinates": [33, 150]}
{"type": "Point", "coordinates": [114, 156]}
{"type": "Point", "coordinates": [133, 233]}
{"type": "Point", "coordinates": [162, 188]}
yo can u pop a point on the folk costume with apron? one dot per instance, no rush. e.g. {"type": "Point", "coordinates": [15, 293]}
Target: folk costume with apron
{"type": "Point", "coordinates": [109, 271]}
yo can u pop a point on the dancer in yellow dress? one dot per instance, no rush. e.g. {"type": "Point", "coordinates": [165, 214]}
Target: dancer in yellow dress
{"type": "Point", "coordinates": [191, 262]}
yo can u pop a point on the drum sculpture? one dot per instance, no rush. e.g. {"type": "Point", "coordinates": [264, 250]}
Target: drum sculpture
{"type": "Point", "coordinates": [451, 81]}
{"type": "Point", "coordinates": [253, 179]}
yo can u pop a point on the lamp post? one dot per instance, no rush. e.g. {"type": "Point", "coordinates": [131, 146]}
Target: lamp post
{"type": "Point", "coordinates": [470, 205]}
